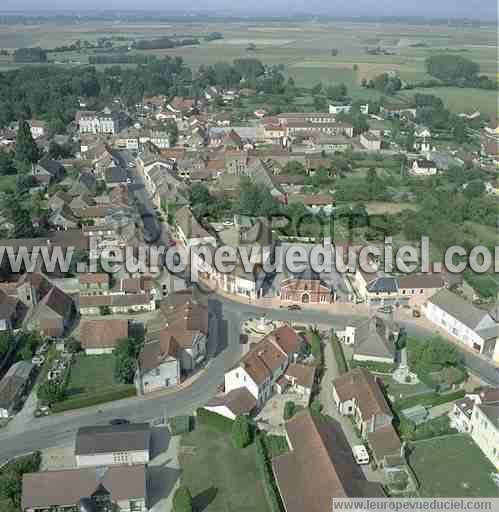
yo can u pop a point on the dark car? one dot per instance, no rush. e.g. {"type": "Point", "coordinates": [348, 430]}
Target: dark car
{"type": "Point", "coordinates": [119, 421]}
{"type": "Point", "coordinates": [294, 307]}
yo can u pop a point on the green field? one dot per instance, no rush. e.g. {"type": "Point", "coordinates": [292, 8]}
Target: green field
{"type": "Point", "coordinates": [452, 466]}
{"type": "Point", "coordinates": [91, 373]}
{"type": "Point", "coordinates": [220, 477]}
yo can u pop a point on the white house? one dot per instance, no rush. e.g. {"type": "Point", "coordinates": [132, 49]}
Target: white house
{"type": "Point", "coordinates": [423, 167]}
{"type": "Point", "coordinates": [485, 430]}
{"type": "Point", "coordinates": [266, 362]}
{"type": "Point", "coordinates": [472, 326]}
{"type": "Point", "coordinates": [338, 108]}
{"type": "Point", "coordinates": [111, 445]}
{"type": "Point", "coordinates": [370, 141]}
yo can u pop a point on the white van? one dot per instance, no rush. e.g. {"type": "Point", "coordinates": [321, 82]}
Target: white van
{"type": "Point", "coordinates": [360, 454]}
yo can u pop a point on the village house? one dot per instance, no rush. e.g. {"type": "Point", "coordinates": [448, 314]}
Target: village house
{"type": "Point", "coordinates": [13, 385]}
{"type": "Point", "coordinates": [370, 141]}
{"type": "Point", "coordinates": [38, 128]}
{"type": "Point", "coordinates": [113, 445]}
{"type": "Point", "coordinates": [296, 127]}
{"type": "Point", "coordinates": [416, 289]}
{"type": "Point", "coordinates": [190, 231]}
{"type": "Point", "coordinates": [179, 348]}
{"type": "Point", "coordinates": [266, 362]}
{"type": "Point", "coordinates": [314, 203]}
{"type": "Point", "coordinates": [373, 339]}
{"type": "Point", "coordinates": [358, 394]}
{"type": "Point", "coordinates": [129, 303]}
{"type": "Point", "coordinates": [299, 379]}
{"type": "Point", "coordinates": [461, 414]}
{"type": "Point", "coordinates": [47, 171]}
{"type": "Point", "coordinates": [93, 283]}
{"type": "Point", "coordinates": [330, 144]}
{"type": "Point", "coordinates": [11, 311]}
{"type": "Point", "coordinates": [106, 122]}
{"type": "Point", "coordinates": [485, 430]}
{"type": "Point", "coordinates": [423, 167]}
{"type": "Point", "coordinates": [305, 288]}
{"type": "Point", "coordinates": [376, 289]}
{"type": "Point", "coordinates": [384, 444]}
{"type": "Point", "coordinates": [342, 108]}
{"type": "Point", "coordinates": [102, 336]}
{"type": "Point", "coordinates": [318, 467]}
{"type": "Point", "coordinates": [474, 327]}
{"type": "Point", "coordinates": [122, 488]}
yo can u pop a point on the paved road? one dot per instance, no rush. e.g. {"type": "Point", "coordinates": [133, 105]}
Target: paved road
{"type": "Point", "coordinates": [224, 349]}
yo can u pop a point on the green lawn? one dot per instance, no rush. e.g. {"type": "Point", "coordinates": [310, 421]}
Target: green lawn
{"type": "Point", "coordinates": [7, 183]}
{"type": "Point", "coordinates": [452, 466]}
{"type": "Point", "coordinates": [91, 373]}
{"type": "Point", "coordinates": [399, 390]}
{"type": "Point", "coordinates": [221, 478]}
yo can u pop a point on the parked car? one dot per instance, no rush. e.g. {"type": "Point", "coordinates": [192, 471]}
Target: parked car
{"type": "Point", "coordinates": [294, 307]}
{"type": "Point", "coordinates": [360, 454]}
{"type": "Point", "coordinates": [416, 313]}
{"type": "Point", "coordinates": [38, 360]}
{"type": "Point", "coordinates": [119, 421]}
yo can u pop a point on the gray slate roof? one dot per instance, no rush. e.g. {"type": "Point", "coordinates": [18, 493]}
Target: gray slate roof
{"type": "Point", "coordinates": [374, 338]}
{"type": "Point", "coordinates": [459, 308]}
{"type": "Point", "coordinates": [113, 438]}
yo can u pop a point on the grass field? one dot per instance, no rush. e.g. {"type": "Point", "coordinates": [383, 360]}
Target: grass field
{"type": "Point", "coordinates": [7, 183]}
{"type": "Point", "coordinates": [91, 373]}
{"type": "Point", "coordinates": [220, 477]}
{"type": "Point", "coordinates": [452, 466]}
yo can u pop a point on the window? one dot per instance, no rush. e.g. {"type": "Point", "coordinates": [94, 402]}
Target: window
{"type": "Point", "coordinates": [120, 458]}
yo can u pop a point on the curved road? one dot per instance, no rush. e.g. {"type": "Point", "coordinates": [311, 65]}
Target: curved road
{"type": "Point", "coordinates": [224, 350]}
{"type": "Point", "coordinates": [226, 317]}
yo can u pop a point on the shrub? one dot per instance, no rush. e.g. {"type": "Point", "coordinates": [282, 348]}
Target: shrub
{"type": "Point", "coordinates": [316, 406]}
{"type": "Point", "coordinates": [374, 366]}
{"type": "Point", "coordinates": [180, 425]}
{"type": "Point", "coordinates": [289, 410]}
{"type": "Point", "coordinates": [338, 354]}
{"type": "Point", "coordinates": [275, 445]}
{"type": "Point", "coordinates": [182, 500]}
{"type": "Point", "coordinates": [267, 476]}
{"type": "Point", "coordinates": [88, 400]}
{"type": "Point", "coordinates": [241, 432]}
{"type": "Point", "coordinates": [214, 421]}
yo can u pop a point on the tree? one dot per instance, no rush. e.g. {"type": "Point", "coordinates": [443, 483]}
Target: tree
{"type": "Point", "coordinates": [51, 392]}
{"type": "Point", "coordinates": [241, 432]}
{"type": "Point", "coordinates": [172, 130]}
{"type": "Point", "coordinates": [6, 164]}
{"type": "Point", "coordinates": [409, 142]}
{"type": "Point", "coordinates": [453, 69]}
{"type": "Point", "coordinates": [289, 410]}
{"type": "Point", "coordinates": [182, 500]}
{"type": "Point", "coordinates": [475, 188]}
{"type": "Point", "coordinates": [26, 149]}
{"type": "Point", "coordinates": [127, 353]}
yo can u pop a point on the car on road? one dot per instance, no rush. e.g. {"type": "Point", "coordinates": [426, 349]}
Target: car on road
{"type": "Point", "coordinates": [38, 360]}
{"type": "Point", "coordinates": [129, 181]}
{"type": "Point", "coordinates": [360, 454]}
{"type": "Point", "coordinates": [131, 165]}
{"type": "Point", "coordinates": [294, 307]}
{"type": "Point", "coordinates": [119, 421]}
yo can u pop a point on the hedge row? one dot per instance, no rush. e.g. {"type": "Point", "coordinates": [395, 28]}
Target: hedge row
{"type": "Point", "coordinates": [338, 354]}
{"type": "Point", "coordinates": [265, 468]}
{"type": "Point", "coordinates": [89, 400]}
{"type": "Point", "coordinates": [428, 400]}
{"type": "Point", "coordinates": [214, 421]}
{"type": "Point", "coordinates": [374, 366]}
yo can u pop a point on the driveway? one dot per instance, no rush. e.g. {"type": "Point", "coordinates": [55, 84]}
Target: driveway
{"type": "Point", "coordinates": [163, 470]}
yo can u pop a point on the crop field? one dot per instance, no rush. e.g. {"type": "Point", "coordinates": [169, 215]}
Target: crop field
{"type": "Point", "coordinates": [303, 48]}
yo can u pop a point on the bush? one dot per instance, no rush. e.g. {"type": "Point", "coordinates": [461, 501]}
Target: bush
{"type": "Point", "coordinates": [338, 354]}
{"type": "Point", "coordinates": [433, 428]}
{"type": "Point", "coordinates": [88, 400]}
{"type": "Point", "coordinates": [316, 407]}
{"type": "Point", "coordinates": [182, 500]}
{"type": "Point", "coordinates": [241, 432]}
{"type": "Point", "coordinates": [275, 445]}
{"type": "Point", "coordinates": [267, 476]}
{"type": "Point", "coordinates": [428, 400]}
{"type": "Point", "coordinates": [374, 366]}
{"type": "Point", "coordinates": [11, 476]}
{"type": "Point", "coordinates": [180, 425]}
{"type": "Point", "coordinates": [214, 421]}
{"type": "Point", "coordinates": [289, 410]}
